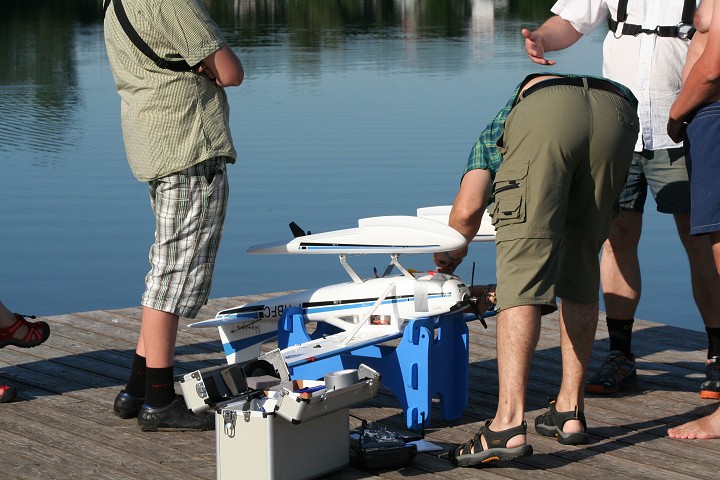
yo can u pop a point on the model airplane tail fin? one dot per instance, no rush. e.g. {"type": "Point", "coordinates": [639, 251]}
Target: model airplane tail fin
{"type": "Point", "coordinates": [242, 342]}
{"type": "Point", "coordinates": [297, 231]}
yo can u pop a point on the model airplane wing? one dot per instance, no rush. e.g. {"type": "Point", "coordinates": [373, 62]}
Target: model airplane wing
{"type": "Point", "coordinates": [486, 232]}
{"type": "Point", "coordinates": [332, 345]}
{"type": "Point", "coordinates": [389, 234]}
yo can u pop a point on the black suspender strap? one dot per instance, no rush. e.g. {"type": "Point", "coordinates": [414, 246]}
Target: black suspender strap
{"type": "Point", "coordinates": [174, 65]}
{"type": "Point", "coordinates": [684, 29]}
{"type": "Point", "coordinates": [688, 12]}
{"type": "Point", "coordinates": [622, 11]}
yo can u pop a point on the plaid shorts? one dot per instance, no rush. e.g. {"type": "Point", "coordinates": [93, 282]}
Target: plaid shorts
{"type": "Point", "coordinates": [189, 211]}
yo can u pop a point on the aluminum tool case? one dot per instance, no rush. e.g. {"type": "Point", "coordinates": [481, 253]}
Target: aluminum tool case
{"type": "Point", "coordinates": [286, 437]}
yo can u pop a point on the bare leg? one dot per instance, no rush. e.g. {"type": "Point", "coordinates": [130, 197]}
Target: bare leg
{"type": "Point", "coordinates": [708, 426]}
{"type": "Point", "coordinates": [578, 322]}
{"type": "Point", "coordinates": [704, 277]}
{"type": "Point", "coordinates": [158, 334]}
{"type": "Point", "coordinates": [715, 241]}
{"type": "Point", "coordinates": [620, 268]}
{"type": "Point", "coordinates": [518, 331]}
{"type": "Point", "coordinates": [7, 318]}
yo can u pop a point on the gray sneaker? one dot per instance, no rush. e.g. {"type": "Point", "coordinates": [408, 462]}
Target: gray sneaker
{"type": "Point", "coordinates": [616, 372]}
{"type": "Point", "coordinates": [710, 388]}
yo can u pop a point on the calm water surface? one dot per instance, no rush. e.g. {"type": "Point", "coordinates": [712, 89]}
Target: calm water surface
{"type": "Point", "coordinates": [348, 110]}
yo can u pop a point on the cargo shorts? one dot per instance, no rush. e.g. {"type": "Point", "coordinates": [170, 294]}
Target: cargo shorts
{"type": "Point", "coordinates": [566, 152]}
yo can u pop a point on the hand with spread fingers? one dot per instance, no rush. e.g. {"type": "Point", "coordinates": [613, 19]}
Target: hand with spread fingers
{"type": "Point", "coordinates": [447, 262]}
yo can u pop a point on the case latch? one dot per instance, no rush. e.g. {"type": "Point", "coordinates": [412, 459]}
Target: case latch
{"type": "Point", "coordinates": [229, 423]}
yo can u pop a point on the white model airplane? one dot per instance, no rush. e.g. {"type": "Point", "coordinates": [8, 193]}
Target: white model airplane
{"type": "Point", "coordinates": [357, 313]}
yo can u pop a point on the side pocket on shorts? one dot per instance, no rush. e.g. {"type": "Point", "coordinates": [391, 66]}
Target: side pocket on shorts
{"type": "Point", "coordinates": [215, 176]}
{"type": "Point", "coordinates": [509, 192]}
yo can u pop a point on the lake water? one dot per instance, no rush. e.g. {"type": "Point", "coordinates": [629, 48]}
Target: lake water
{"type": "Point", "coordinates": [348, 110]}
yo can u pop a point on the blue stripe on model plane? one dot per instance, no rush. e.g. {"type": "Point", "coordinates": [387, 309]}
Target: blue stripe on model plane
{"type": "Point", "coordinates": [338, 307]}
{"type": "Point", "coordinates": [244, 343]}
{"type": "Point", "coordinates": [315, 246]}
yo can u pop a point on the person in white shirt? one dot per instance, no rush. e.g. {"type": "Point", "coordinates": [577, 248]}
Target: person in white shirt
{"type": "Point", "coordinates": [645, 49]}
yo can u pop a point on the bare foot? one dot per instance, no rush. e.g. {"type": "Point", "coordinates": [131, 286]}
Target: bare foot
{"type": "Point", "coordinates": [703, 428]}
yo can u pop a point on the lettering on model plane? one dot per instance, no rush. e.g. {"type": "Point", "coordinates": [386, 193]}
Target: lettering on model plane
{"type": "Point", "coordinates": [250, 326]}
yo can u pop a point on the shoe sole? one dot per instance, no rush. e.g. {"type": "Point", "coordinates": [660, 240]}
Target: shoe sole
{"type": "Point", "coordinates": [153, 428]}
{"type": "Point", "coordinates": [710, 394]}
{"type": "Point", "coordinates": [578, 438]}
{"type": "Point", "coordinates": [493, 455]}
{"type": "Point", "coordinates": [602, 390]}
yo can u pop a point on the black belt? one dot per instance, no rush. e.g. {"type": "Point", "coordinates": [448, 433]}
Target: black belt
{"type": "Point", "coordinates": [595, 83]}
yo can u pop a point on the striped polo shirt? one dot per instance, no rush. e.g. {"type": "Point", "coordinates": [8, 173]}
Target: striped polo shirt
{"type": "Point", "coordinates": [170, 120]}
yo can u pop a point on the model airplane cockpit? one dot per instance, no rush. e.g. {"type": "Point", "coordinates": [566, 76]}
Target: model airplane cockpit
{"type": "Point", "coordinates": [363, 311]}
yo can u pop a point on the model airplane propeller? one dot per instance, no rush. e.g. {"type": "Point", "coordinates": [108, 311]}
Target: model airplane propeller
{"type": "Point", "coordinates": [363, 311]}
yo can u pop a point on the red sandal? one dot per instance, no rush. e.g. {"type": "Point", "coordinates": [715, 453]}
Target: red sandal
{"type": "Point", "coordinates": [7, 393]}
{"type": "Point", "coordinates": [37, 333]}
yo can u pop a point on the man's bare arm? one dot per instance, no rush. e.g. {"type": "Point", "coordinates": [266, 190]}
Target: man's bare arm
{"type": "Point", "coordinates": [466, 215]}
{"type": "Point", "coordinates": [697, 44]}
{"type": "Point", "coordinates": [555, 34]}
{"type": "Point", "coordinates": [701, 72]}
{"type": "Point", "coordinates": [223, 67]}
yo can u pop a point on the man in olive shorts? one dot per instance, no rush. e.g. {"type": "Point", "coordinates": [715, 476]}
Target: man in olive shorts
{"type": "Point", "coordinates": [557, 157]}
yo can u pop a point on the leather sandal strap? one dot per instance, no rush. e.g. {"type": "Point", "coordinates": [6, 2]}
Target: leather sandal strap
{"type": "Point", "coordinates": [501, 438]}
{"type": "Point", "coordinates": [9, 332]}
{"type": "Point", "coordinates": [560, 418]}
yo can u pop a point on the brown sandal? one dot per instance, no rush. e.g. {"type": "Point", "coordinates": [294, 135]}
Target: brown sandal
{"type": "Point", "coordinates": [472, 453]}
{"type": "Point", "coordinates": [36, 333]}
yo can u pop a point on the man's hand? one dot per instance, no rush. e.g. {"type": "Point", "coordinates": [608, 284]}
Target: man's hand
{"type": "Point", "coordinates": [447, 262]}
{"type": "Point", "coordinates": [534, 47]}
{"type": "Point", "coordinates": [676, 130]}
{"type": "Point", "coordinates": [202, 69]}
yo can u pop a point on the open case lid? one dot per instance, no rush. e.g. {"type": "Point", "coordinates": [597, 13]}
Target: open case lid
{"type": "Point", "coordinates": [293, 407]}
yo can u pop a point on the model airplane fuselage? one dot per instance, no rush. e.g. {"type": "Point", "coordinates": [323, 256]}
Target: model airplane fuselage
{"type": "Point", "coordinates": [379, 307]}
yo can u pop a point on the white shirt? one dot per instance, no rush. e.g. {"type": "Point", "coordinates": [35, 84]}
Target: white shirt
{"type": "Point", "coordinates": [651, 66]}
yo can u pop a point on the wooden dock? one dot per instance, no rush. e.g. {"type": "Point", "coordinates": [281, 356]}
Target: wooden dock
{"type": "Point", "coordinates": [62, 426]}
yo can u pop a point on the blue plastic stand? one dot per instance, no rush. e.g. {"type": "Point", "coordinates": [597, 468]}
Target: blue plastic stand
{"type": "Point", "coordinates": [418, 369]}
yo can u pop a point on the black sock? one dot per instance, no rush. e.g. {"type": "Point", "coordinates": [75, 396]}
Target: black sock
{"type": "Point", "coordinates": [713, 342]}
{"type": "Point", "coordinates": [160, 387]}
{"type": "Point", "coordinates": [136, 382]}
{"type": "Point", "coordinates": [620, 332]}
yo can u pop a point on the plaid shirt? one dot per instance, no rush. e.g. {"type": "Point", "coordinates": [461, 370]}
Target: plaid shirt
{"type": "Point", "coordinates": [170, 120]}
{"type": "Point", "coordinates": [485, 155]}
